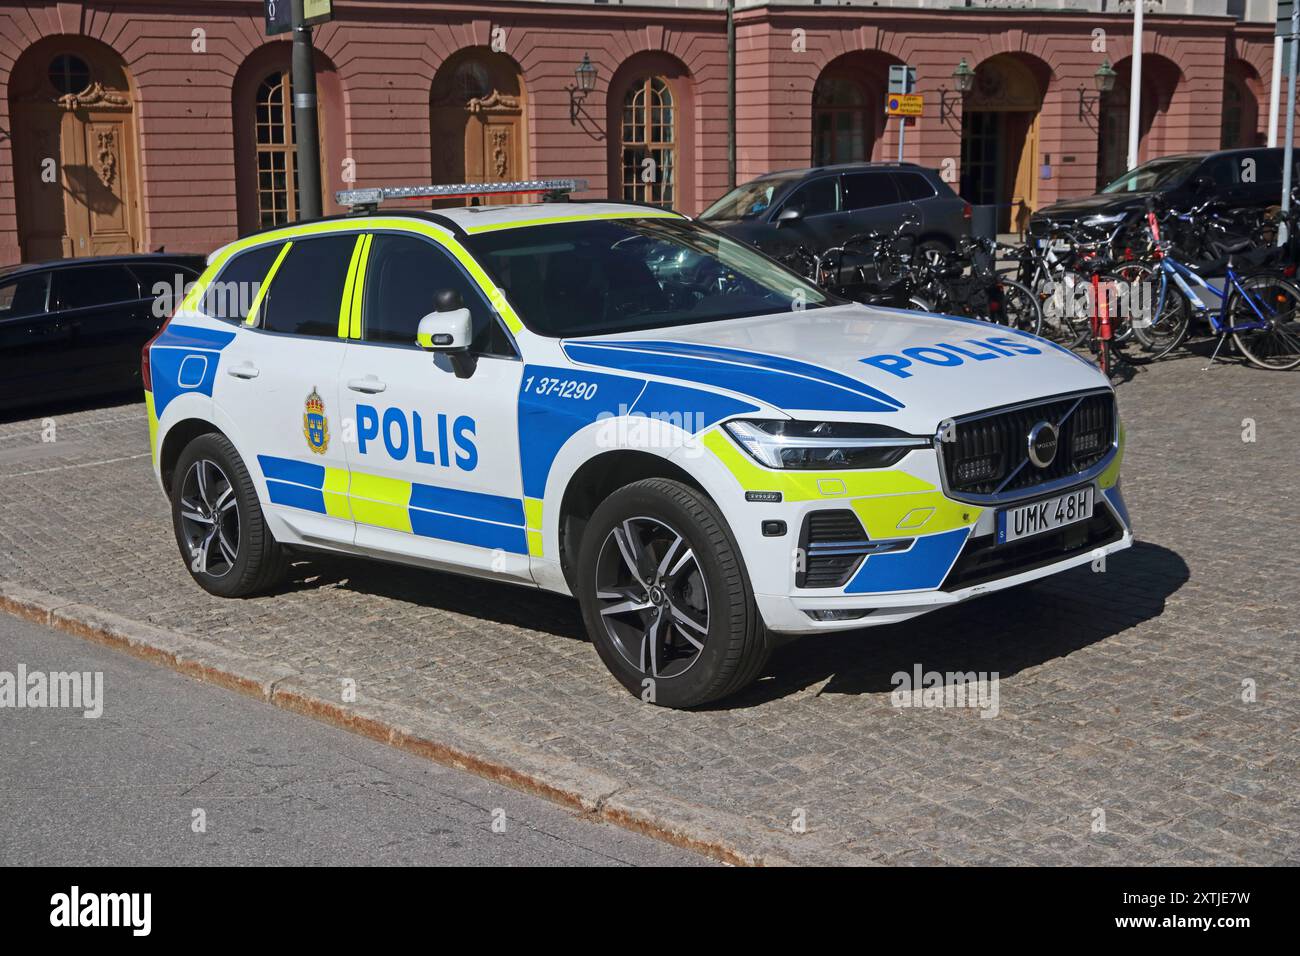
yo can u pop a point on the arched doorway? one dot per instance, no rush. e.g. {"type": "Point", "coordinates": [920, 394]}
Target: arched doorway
{"type": "Point", "coordinates": [1160, 78]}
{"type": "Point", "coordinates": [266, 138]}
{"type": "Point", "coordinates": [479, 119]}
{"type": "Point", "coordinates": [848, 108]}
{"type": "Point", "coordinates": [650, 116]}
{"type": "Point", "coordinates": [71, 103]}
{"type": "Point", "coordinates": [999, 138]}
{"type": "Point", "coordinates": [1240, 123]}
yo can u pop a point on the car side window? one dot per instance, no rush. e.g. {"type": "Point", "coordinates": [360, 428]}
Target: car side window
{"type": "Point", "coordinates": [23, 296]}
{"type": "Point", "coordinates": [1224, 170]}
{"type": "Point", "coordinates": [85, 286]}
{"type": "Point", "coordinates": [404, 274]}
{"type": "Point", "coordinates": [814, 198]}
{"type": "Point", "coordinates": [913, 186]}
{"type": "Point", "coordinates": [1268, 166]}
{"type": "Point", "coordinates": [867, 190]}
{"type": "Point", "coordinates": [153, 275]}
{"type": "Point", "coordinates": [231, 294]}
{"type": "Point", "coordinates": [306, 291]}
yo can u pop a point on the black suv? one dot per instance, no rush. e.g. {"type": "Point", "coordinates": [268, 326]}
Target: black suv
{"type": "Point", "coordinates": [1242, 178]}
{"type": "Point", "coordinates": [821, 207]}
{"type": "Point", "coordinates": [75, 327]}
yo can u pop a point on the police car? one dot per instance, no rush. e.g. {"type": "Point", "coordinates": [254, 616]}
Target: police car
{"type": "Point", "coordinates": [616, 402]}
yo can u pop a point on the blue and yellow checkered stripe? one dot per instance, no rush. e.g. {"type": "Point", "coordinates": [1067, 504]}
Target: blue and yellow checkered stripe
{"type": "Point", "coordinates": [430, 511]}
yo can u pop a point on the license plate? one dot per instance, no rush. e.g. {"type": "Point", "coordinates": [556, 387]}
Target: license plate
{"type": "Point", "coordinates": [1024, 521]}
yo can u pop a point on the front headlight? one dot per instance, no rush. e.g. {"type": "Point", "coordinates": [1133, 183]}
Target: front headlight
{"type": "Point", "coordinates": [822, 445]}
{"type": "Point", "coordinates": [1104, 220]}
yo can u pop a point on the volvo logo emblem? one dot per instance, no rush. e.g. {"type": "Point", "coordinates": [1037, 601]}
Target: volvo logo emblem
{"type": "Point", "coordinates": [1042, 444]}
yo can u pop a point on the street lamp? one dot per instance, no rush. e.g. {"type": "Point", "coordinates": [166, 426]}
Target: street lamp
{"type": "Point", "coordinates": [1104, 81]}
{"type": "Point", "coordinates": [584, 83]}
{"type": "Point", "coordinates": [963, 81]}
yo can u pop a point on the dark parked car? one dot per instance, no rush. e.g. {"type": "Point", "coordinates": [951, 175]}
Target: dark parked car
{"type": "Point", "coordinates": [1240, 177]}
{"type": "Point", "coordinates": [75, 327]}
{"type": "Point", "coordinates": [821, 207]}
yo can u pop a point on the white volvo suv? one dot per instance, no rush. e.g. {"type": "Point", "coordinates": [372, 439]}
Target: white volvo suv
{"type": "Point", "coordinates": [615, 402]}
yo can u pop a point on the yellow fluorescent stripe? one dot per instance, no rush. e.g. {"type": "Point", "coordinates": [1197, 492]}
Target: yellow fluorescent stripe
{"type": "Point", "coordinates": [533, 512]}
{"type": "Point", "coordinates": [359, 285]}
{"type": "Point", "coordinates": [335, 491]}
{"type": "Point", "coordinates": [1110, 476]}
{"type": "Point", "coordinates": [535, 544]}
{"type": "Point", "coordinates": [381, 501]}
{"type": "Point", "coordinates": [586, 217]}
{"type": "Point", "coordinates": [881, 516]}
{"type": "Point", "coordinates": [810, 485]}
{"type": "Point", "coordinates": [345, 303]}
{"type": "Point", "coordinates": [266, 284]}
{"type": "Point", "coordinates": [153, 425]}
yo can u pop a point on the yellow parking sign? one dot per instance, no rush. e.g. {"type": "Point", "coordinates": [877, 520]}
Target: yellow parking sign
{"type": "Point", "coordinates": [904, 104]}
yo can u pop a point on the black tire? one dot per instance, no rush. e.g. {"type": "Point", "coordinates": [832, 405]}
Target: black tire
{"type": "Point", "coordinates": [1275, 345]}
{"type": "Point", "coordinates": [734, 645]}
{"type": "Point", "coordinates": [222, 510]}
{"type": "Point", "coordinates": [1020, 308]}
{"type": "Point", "coordinates": [1161, 333]}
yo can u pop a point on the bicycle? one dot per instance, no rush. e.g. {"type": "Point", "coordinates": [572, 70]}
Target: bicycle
{"type": "Point", "coordinates": [1258, 311]}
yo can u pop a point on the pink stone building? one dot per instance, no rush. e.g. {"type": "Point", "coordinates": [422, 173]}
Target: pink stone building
{"type": "Point", "coordinates": [165, 123]}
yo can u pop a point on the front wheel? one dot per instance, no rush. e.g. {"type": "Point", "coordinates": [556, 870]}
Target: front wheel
{"type": "Point", "coordinates": [1161, 319]}
{"type": "Point", "coordinates": [666, 598]}
{"type": "Point", "coordinates": [1020, 308]}
{"type": "Point", "coordinates": [1264, 323]}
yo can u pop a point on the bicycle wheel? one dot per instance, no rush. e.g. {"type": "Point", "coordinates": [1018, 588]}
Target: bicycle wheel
{"type": "Point", "coordinates": [1020, 308]}
{"type": "Point", "coordinates": [1262, 317]}
{"type": "Point", "coordinates": [1160, 319]}
{"type": "Point", "coordinates": [1062, 321]}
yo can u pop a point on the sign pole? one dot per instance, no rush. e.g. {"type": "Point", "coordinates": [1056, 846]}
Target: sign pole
{"type": "Point", "coordinates": [1288, 152]}
{"type": "Point", "coordinates": [1135, 86]}
{"type": "Point", "coordinates": [307, 128]}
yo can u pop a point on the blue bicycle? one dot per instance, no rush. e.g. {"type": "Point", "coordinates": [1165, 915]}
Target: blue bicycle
{"type": "Point", "coordinates": [1258, 310]}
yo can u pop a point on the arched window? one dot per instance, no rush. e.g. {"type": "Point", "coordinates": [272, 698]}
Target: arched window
{"type": "Point", "coordinates": [277, 152]}
{"type": "Point", "coordinates": [839, 121]}
{"type": "Point", "coordinates": [649, 143]}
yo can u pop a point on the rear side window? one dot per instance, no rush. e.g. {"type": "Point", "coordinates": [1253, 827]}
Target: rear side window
{"type": "Point", "coordinates": [814, 198]}
{"type": "Point", "coordinates": [304, 296]}
{"type": "Point", "coordinates": [1224, 170]}
{"type": "Point", "coordinates": [93, 285]}
{"type": "Point", "coordinates": [1268, 166]}
{"type": "Point", "coordinates": [866, 190]}
{"type": "Point", "coordinates": [404, 274]}
{"type": "Point", "coordinates": [23, 296]}
{"type": "Point", "coordinates": [913, 186]}
{"type": "Point", "coordinates": [231, 295]}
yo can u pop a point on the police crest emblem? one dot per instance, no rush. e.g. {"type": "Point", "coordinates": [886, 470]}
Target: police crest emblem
{"type": "Point", "coordinates": [315, 426]}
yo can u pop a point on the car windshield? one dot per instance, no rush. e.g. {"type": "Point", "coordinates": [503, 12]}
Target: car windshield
{"type": "Point", "coordinates": [589, 278]}
{"type": "Point", "coordinates": [1154, 175]}
{"type": "Point", "coordinates": [748, 201]}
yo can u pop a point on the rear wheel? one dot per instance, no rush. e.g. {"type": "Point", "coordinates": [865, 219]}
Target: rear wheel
{"type": "Point", "coordinates": [1020, 308]}
{"type": "Point", "coordinates": [1264, 322]}
{"type": "Point", "coordinates": [1059, 299]}
{"type": "Point", "coordinates": [218, 521]}
{"type": "Point", "coordinates": [666, 598]}
{"type": "Point", "coordinates": [1160, 327]}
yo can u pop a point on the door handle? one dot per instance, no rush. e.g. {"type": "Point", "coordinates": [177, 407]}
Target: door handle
{"type": "Point", "coordinates": [369, 385]}
{"type": "Point", "coordinates": [244, 370]}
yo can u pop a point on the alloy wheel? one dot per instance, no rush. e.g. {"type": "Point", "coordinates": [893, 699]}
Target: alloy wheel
{"type": "Point", "coordinates": [209, 513]}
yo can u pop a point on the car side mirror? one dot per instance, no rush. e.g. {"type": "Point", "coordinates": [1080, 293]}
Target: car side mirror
{"type": "Point", "coordinates": [450, 333]}
{"type": "Point", "coordinates": [788, 215]}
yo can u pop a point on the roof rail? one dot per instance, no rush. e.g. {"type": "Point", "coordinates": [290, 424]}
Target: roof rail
{"type": "Point", "coordinates": [368, 200]}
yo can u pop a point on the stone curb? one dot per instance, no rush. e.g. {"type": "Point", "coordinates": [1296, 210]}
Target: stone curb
{"type": "Point", "coordinates": [722, 836]}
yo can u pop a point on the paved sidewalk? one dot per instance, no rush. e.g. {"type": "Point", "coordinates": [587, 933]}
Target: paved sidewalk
{"type": "Point", "coordinates": [1120, 695]}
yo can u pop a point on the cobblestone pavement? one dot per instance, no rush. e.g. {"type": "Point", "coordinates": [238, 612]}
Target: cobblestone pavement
{"type": "Point", "coordinates": [1123, 734]}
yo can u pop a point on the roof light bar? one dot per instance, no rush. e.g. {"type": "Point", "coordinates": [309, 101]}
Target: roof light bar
{"type": "Point", "coordinates": [364, 199]}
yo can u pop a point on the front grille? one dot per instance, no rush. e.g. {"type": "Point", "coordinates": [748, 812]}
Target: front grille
{"type": "Point", "coordinates": [983, 559]}
{"type": "Point", "coordinates": [988, 454]}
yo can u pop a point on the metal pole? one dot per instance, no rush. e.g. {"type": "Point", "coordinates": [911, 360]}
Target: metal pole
{"type": "Point", "coordinates": [1289, 150]}
{"type": "Point", "coordinates": [902, 134]}
{"type": "Point", "coordinates": [306, 129]}
{"type": "Point", "coordinates": [1135, 86]}
{"type": "Point", "coordinates": [731, 94]}
{"type": "Point", "coordinates": [1275, 89]}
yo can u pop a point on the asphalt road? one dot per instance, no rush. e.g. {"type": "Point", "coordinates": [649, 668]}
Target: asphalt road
{"type": "Point", "coordinates": [272, 787]}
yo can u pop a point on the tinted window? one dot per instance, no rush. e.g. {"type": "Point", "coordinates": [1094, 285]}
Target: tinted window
{"type": "Point", "coordinates": [588, 278]}
{"type": "Point", "coordinates": [1224, 170]}
{"type": "Point", "coordinates": [403, 276]}
{"type": "Point", "coordinates": [305, 294]}
{"type": "Point", "coordinates": [814, 198]}
{"type": "Point", "coordinates": [913, 186]}
{"type": "Point", "coordinates": [24, 296]}
{"type": "Point", "coordinates": [93, 285]}
{"type": "Point", "coordinates": [162, 273]}
{"type": "Point", "coordinates": [865, 190]}
{"type": "Point", "coordinates": [231, 294]}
